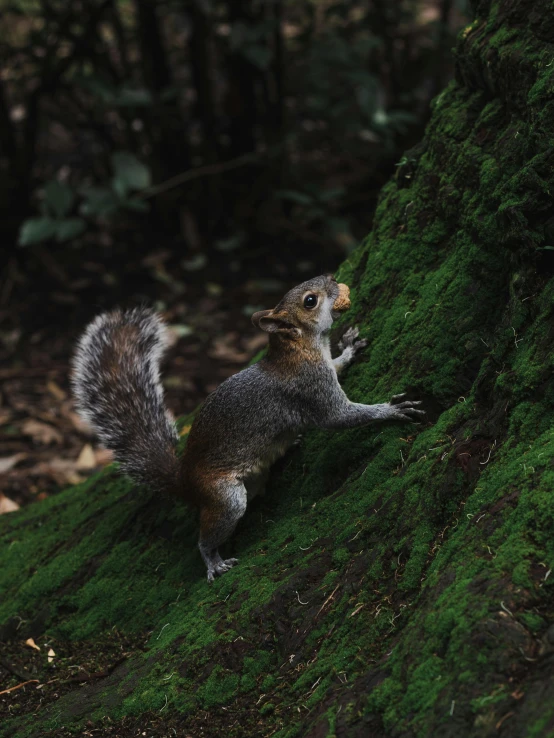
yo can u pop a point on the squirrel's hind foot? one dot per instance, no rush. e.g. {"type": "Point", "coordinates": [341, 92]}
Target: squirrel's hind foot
{"type": "Point", "coordinates": [219, 566]}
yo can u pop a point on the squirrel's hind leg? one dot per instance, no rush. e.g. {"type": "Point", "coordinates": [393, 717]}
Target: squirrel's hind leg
{"type": "Point", "coordinates": [217, 522]}
{"type": "Point", "coordinates": [255, 484]}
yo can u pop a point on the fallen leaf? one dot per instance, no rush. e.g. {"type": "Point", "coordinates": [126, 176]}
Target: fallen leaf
{"type": "Point", "coordinates": [62, 471]}
{"type": "Point", "coordinates": [8, 462]}
{"type": "Point", "coordinates": [56, 391]}
{"type": "Point", "coordinates": [30, 642]}
{"type": "Point", "coordinates": [86, 459]}
{"type": "Point", "coordinates": [180, 382]}
{"type": "Point", "coordinates": [225, 348]}
{"type": "Point", "coordinates": [7, 505]}
{"type": "Point", "coordinates": [103, 456]}
{"type": "Point", "coordinates": [51, 654]}
{"type": "Point", "coordinates": [197, 262]}
{"type": "Point", "coordinates": [213, 289]}
{"type": "Point", "coordinates": [157, 257]}
{"type": "Point", "coordinates": [78, 423]}
{"type": "Point", "coordinates": [184, 430]}
{"type": "Point", "coordinates": [41, 432]}
{"type": "Point", "coordinates": [179, 330]}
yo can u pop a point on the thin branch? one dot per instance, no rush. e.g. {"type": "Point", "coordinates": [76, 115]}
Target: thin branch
{"type": "Point", "coordinates": [190, 174]}
{"type": "Point", "coordinates": [18, 686]}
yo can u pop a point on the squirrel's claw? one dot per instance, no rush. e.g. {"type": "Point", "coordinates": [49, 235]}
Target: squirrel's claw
{"type": "Point", "coordinates": [350, 340]}
{"type": "Point", "coordinates": [406, 409]}
{"type": "Point", "coordinates": [349, 337]}
{"type": "Point", "coordinates": [220, 567]}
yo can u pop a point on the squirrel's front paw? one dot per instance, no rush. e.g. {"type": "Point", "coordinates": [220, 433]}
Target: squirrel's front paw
{"type": "Point", "coordinates": [405, 409]}
{"type": "Point", "coordinates": [350, 340]}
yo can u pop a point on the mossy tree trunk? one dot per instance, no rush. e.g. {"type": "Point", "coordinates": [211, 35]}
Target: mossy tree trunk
{"type": "Point", "coordinates": [395, 581]}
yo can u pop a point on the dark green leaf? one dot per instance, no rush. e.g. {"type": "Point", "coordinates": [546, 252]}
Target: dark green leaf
{"type": "Point", "coordinates": [100, 201]}
{"type": "Point", "coordinates": [137, 97]}
{"type": "Point", "coordinates": [230, 244]}
{"type": "Point", "coordinates": [58, 197]}
{"type": "Point", "coordinates": [36, 230]}
{"type": "Point", "coordinates": [133, 203]}
{"type": "Point", "coordinates": [69, 228]}
{"type": "Point", "coordinates": [130, 171]}
{"type": "Point", "coordinates": [119, 186]}
{"type": "Point", "coordinates": [332, 194]}
{"type": "Point", "coordinates": [97, 86]}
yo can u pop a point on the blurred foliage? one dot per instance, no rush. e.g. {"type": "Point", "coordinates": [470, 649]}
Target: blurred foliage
{"type": "Point", "coordinates": [287, 115]}
{"type": "Point", "coordinates": [59, 198]}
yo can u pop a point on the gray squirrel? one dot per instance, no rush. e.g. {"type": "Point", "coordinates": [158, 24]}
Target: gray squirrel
{"type": "Point", "coordinates": [250, 420]}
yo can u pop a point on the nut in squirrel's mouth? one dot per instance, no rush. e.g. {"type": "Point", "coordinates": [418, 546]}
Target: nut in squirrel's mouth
{"type": "Point", "coordinates": [342, 302]}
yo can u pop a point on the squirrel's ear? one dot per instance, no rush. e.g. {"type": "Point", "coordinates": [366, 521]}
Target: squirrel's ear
{"type": "Point", "coordinates": [271, 322]}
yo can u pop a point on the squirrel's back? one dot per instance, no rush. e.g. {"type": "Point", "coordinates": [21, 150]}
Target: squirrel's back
{"type": "Point", "coordinates": [116, 383]}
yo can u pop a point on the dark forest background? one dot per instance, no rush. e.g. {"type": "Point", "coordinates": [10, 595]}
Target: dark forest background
{"type": "Point", "coordinates": [199, 156]}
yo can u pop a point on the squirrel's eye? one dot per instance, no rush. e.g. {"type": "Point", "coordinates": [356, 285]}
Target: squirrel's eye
{"type": "Point", "coordinates": [310, 301]}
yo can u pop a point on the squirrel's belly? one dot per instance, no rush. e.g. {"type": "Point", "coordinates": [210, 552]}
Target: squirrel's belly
{"type": "Point", "coordinates": [269, 456]}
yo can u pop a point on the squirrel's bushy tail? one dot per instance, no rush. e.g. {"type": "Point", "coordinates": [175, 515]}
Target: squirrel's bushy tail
{"type": "Point", "coordinates": [116, 383]}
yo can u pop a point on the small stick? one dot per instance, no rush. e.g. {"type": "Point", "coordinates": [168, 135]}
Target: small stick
{"type": "Point", "coordinates": [18, 686]}
{"type": "Point", "coordinates": [328, 599]}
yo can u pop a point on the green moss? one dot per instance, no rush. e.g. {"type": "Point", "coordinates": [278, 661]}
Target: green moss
{"type": "Point", "coordinates": [218, 689]}
{"type": "Point", "coordinates": [503, 37]}
{"type": "Point", "coordinates": [341, 556]}
{"type": "Point", "coordinates": [247, 683]}
{"type": "Point", "coordinates": [532, 621]}
{"type": "Point", "coordinates": [268, 682]}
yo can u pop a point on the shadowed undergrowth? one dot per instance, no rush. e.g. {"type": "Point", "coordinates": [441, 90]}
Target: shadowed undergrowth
{"type": "Point", "coordinates": [394, 580]}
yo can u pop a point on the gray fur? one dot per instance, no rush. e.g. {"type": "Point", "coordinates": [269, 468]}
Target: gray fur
{"type": "Point", "coordinates": [243, 427]}
{"type": "Point", "coordinates": [117, 388]}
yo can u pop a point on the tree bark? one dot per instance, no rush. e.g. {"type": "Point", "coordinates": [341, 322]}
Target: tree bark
{"type": "Point", "coordinates": [169, 146]}
{"type": "Point", "coordinates": [395, 581]}
{"type": "Point", "coordinates": [201, 55]}
{"type": "Point", "coordinates": [241, 98]}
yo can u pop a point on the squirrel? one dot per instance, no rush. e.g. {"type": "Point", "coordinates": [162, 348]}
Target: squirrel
{"type": "Point", "coordinates": [245, 425]}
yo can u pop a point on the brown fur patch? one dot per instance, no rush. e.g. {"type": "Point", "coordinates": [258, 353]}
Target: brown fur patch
{"type": "Point", "coordinates": [210, 518]}
{"type": "Point", "coordinates": [287, 356]}
{"type": "Point", "coordinates": [123, 344]}
{"type": "Point", "coordinates": [202, 485]}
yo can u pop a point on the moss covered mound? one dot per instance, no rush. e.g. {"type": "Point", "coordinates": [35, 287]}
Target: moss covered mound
{"type": "Point", "coordinates": [394, 581]}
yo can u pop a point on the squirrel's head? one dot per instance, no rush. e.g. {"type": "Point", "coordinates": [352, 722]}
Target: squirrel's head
{"type": "Point", "coordinates": [308, 309]}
